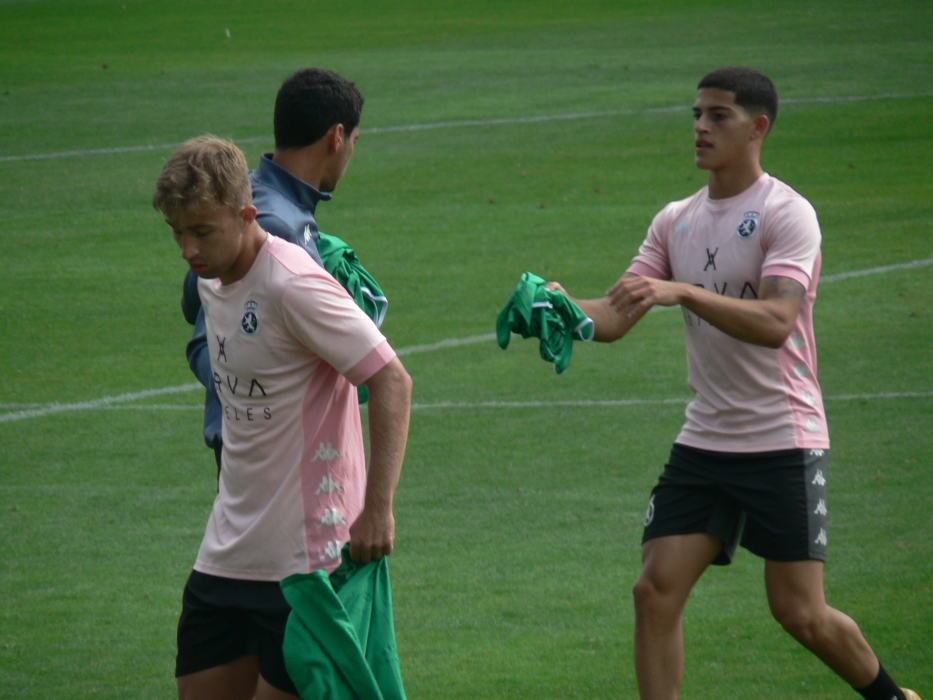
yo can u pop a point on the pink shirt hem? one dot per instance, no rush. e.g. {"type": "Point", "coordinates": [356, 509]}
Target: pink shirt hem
{"type": "Point", "coordinates": [794, 273]}
{"type": "Point", "coordinates": [377, 358]}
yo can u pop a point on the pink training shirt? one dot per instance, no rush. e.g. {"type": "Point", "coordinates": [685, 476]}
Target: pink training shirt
{"type": "Point", "coordinates": [748, 398]}
{"type": "Point", "coordinates": [288, 345]}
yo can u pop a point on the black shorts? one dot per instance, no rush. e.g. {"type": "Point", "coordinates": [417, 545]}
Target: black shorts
{"type": "Point", "coordinates": [772, 503]}
{"type": "Point", "coordinates": [224, 619]}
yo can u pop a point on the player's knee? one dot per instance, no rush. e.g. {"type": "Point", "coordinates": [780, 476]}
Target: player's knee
{"type": "Point", "coordinates": [650, 598]}
{"type": "Point", "coordinates": [804, 623]}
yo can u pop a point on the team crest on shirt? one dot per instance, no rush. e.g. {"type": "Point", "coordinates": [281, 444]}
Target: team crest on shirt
{"type": "Point", "coordinates": [749, 225]}
{"type": "Point", "coordinates": [250, 321]}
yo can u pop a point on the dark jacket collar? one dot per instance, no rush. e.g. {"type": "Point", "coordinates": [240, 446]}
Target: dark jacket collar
{"type": "Point", "coordinates": [274, 175]}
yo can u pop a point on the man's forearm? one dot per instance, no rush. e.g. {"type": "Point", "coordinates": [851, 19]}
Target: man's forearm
{"type": "Point", "coordinates": [389, 413]}
{"type": "Point", "coordinates": [765, 321]}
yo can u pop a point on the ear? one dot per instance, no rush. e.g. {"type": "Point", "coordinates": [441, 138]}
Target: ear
{"type": "Point", "coordinates": [335, 137]}
{"type": "Point", "coordinates": [762, 125]}
{"type": "Point", "coordinates": [248, 213]}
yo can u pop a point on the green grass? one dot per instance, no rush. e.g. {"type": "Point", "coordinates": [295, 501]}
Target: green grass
{"type": "Point", "coordinates": [518, 528]}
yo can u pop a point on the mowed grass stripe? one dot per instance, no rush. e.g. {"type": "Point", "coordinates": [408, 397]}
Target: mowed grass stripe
{"type": "Point", "coordinates": [459, 123]}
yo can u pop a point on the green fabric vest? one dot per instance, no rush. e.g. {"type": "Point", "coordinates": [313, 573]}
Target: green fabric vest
{"type": "Point", "coordinates": [341, 262]}
{"type": "Point", "coordinates": [340, 638]}
{"type": "Point", "coordinates": [533, 311]}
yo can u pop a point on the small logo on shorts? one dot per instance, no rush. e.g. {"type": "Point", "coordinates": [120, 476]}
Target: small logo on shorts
{"type": "Point", "coordinates": [749, 224]}
{"type": "Point", "coordinates": [821, 539]}
{"type": "Point", "coordinates": [649, 516]}
{"type": "Point", "coordinates": [250, 321]}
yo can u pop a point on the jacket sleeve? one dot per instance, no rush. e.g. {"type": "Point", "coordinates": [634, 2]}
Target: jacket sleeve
{"type": "Point", "coordinates": [199, 358]}
{"type": "Point", "coordinates": [190, 301]}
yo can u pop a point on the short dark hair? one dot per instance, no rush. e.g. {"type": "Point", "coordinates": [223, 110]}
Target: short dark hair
{"type": "Point", "coordinates": [310, 102]}
{"type": "Point", "coordinates": [753, 90]}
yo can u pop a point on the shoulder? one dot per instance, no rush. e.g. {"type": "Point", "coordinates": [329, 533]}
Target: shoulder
{"type": "Point", "coordinates": [278, 227]}
{"type": "Point", "coordinates": [781, 197]}
{"type": "Point", "coordinates": [665, 219]}
{"type": "Point", "coordinates": [292, 258]}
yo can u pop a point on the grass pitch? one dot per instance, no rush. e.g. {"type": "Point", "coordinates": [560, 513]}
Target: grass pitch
{"type": "Point", "coordinates": [497, 138]}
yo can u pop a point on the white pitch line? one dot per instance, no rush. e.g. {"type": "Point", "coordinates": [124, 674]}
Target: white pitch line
{"type": "Point", "coordinates": [584, 403]}
{"type": "Point", "coordinates": [448, 343]}
{"type": "Point", "coordinates": [37, 410]}
{"type": "Point", "coordinates": [96, 403]}
{"type": "Point", "coordinates": [462, 123]}
{"type": "Point", "coordinates": [645, 402]}
{"type": "Point", "coordinates": [875, 270]}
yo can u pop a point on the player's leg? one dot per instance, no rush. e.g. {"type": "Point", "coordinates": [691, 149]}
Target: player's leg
{"type": "Point", "coordinates": [689, 525]}
{"type": "Point", "coordinates": [671, 567]}
{"type": "Point", "coordinates": [236, 680]}
{"type": "Point", "coordinates": [786, 525]}
{"type": "Point", "coordinates": [797, 601]}
{"type": "Point", "coordinates": [266, 691]}
{"type": "Point", "coordinates": [784, 496]}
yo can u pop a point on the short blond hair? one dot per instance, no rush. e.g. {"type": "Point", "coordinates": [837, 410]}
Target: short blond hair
{"type": "Point", "coordinates": [204, 172]}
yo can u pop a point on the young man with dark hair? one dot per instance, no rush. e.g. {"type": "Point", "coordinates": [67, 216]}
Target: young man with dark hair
{"type": "Point", "coordinates": [287, 345]}
{"type": "Point", "coordinates": [741, 258]}
{"type": "Point", "coordinates": [316, 122]}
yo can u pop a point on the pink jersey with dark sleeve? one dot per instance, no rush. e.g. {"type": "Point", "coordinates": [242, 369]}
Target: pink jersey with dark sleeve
{"type": "Point", "coordinates": [748, 398]}
{"type": "Point", "coordinates": [288, 345]}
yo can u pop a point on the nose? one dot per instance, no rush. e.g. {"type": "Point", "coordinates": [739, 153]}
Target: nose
{"type": "Point", "coordinates": [189, 249]}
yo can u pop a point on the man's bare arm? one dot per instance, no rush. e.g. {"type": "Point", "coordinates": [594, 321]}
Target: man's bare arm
{"type": "Point", "coordinates": [372, 535]}
{"type": "Point", "coordinates": [608, 323]}
{"type": "Point", "coordinates": [767, 320]}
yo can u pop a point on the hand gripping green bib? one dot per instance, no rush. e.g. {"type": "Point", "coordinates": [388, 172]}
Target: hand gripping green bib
{"type": "Point", "coordinates": [340, 638]}
{"type": "Point", "coordinates": [533, 311]}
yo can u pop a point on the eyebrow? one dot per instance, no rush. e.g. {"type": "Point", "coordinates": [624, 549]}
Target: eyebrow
{"type": "Point", "coordinates": [714, 108]}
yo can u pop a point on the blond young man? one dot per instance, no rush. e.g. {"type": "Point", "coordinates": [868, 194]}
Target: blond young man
{"type": "Point", "coordinates": [287, 346]}
{"type": "Point", "coordinates": [741, 258]}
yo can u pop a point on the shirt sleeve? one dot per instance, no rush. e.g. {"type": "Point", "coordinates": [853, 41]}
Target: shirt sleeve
{"type": "Point", "coordinates": [325, 319]}
{"type": "Point", "coordinates": [791, 240]}
{"type": "Point", "coordinates": [653, 259]}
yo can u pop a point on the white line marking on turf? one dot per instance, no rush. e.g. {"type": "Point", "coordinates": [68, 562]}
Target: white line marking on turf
{"type": "Point", "coordinates": [37, 410]}
{"type": "Point", "coordinates": [461, 123]}
{"type": "Point", "coordinates": [875, 270]}
{"type": "Point", "coordinates": [448, 343]}
{"type": "Point", "coordinates": [96, 403]}
{"type": "Point", "coordinates": [645, 402]}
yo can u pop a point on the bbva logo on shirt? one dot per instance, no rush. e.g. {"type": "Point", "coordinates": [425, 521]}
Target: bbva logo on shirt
{"type": "Point", "coordinates": [749, 224]}
{"type": "Point", "coordinates": [250, 321]}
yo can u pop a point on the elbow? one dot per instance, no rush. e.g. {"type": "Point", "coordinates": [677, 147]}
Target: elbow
{"type": "Point", "coordinates": [406, 383]}
{"type": "Point", "coordinates": [778, 336]}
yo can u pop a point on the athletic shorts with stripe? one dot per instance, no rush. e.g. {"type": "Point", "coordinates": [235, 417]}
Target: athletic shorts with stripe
{"type": "Point", "coordinates": [772, 503]}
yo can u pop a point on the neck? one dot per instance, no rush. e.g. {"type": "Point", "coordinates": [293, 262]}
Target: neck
{"type": "Point", "coordinates": [728, 182]}
{"type": "Point", "coordinates": [307, 164]}
{"type": "Point", "coordinates": [253, 239]}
